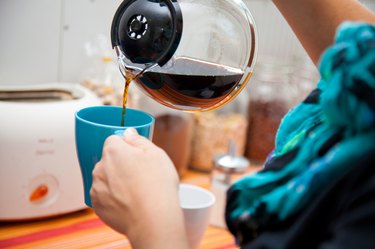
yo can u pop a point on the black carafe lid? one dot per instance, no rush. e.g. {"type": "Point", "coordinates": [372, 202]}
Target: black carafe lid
{"type": "Point", "coordinates": [147, 31]}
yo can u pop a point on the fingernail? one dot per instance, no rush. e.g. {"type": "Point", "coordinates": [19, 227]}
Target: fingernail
{"type": "Point", "coordinates": [130, 131]}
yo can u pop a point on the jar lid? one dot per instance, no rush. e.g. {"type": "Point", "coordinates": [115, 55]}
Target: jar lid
{"type": "Point", "coordinates": [231, 163]}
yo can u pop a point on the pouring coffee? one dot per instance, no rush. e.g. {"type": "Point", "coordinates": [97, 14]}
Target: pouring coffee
{"type": "Point", "coordinates": [191, 55]}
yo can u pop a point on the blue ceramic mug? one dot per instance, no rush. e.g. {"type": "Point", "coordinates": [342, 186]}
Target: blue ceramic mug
{"type": "Point", "coordinates": [93, 125]}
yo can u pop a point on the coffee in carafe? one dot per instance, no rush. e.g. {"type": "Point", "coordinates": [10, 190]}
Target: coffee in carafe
{"type": "Point", "coordinates": [204, 87]}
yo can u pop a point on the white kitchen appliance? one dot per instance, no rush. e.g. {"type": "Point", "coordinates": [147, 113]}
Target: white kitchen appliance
{"type": "Point", "coordinates": [39, 169]}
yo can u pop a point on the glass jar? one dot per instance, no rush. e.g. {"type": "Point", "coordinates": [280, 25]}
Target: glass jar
{"type": "Point", "coordinates": [271, 95]}
{"type": "Point", "coordinates": [213, 131]}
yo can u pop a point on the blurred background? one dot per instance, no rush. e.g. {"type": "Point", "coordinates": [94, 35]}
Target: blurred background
{"type": "Point", "coordinates": [44, 41]}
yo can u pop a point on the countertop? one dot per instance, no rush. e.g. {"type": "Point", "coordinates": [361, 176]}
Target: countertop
{"type": "Point", "coordinates": [83, 229]}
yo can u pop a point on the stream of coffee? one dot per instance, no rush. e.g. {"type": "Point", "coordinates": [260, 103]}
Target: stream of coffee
{"type": "Point", "coordinates": [129, 76]}
{"type": "Point", "coordinates": [125, 98]}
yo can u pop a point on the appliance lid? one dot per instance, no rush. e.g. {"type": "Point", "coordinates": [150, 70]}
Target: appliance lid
{"type": "Point", "coordinates": [147, 31]}
{"type": "Point", "coordinates": [40, 93]}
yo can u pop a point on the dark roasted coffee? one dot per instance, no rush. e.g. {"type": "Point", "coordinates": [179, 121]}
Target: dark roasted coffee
{"type": "Point", "coordinates": [200, 91]}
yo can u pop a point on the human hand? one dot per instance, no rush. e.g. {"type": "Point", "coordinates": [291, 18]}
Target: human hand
{"type": "Point", "coordinates": [135, 191]}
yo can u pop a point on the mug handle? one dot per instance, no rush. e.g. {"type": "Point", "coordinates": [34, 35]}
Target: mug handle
{"type": "Point", "coordinates": [119, 133]}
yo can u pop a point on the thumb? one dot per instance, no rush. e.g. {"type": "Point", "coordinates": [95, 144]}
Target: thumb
{"type": "Point", "coordinates": [132, 137]}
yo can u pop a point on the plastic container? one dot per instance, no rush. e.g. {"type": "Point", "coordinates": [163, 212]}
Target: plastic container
{"type": "Point", "coordinates": [213, 131]}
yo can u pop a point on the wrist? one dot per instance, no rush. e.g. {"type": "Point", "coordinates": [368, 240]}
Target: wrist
{"type": "Point", "coordinates": [163, 227]}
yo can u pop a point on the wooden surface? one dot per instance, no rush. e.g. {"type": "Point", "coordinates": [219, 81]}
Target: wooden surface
{"type": "Point", "coordinates": [83, 229]}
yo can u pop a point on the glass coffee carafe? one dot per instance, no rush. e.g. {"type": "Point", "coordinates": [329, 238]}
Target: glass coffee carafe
{"type": "Point", "coordinates": [192, 55]}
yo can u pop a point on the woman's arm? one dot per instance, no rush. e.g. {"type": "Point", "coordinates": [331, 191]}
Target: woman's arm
{"type": "Point", "coordinates": [315, 21]}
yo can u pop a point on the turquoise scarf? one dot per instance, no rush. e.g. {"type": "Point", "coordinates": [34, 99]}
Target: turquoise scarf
{"type": "Point", "coordinates": [317, 141]}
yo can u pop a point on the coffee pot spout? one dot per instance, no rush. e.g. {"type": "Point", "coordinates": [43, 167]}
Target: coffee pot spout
{"type": "Point", "coordinates": [126, 69]}
{"type": "Point", "coordinates": [131, 70]}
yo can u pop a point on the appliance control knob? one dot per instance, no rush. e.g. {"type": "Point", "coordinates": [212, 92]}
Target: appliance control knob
{"type": "Point", "coordinates": [39, 193]}
{"type": "Point", "coordinates": [43, 190]}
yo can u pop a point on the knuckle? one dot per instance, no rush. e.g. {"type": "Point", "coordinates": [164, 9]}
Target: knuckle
{"type": "Point", "coordinates": [110, 146]}
{"type": "Point", "coordinates": [96, 172]}
{"type": "Point", "coordinates": [93, 192]}
{"type": "Point", "coordinates": [109, 149]}
{"type": "Point", "coordinates": [113, 139]}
